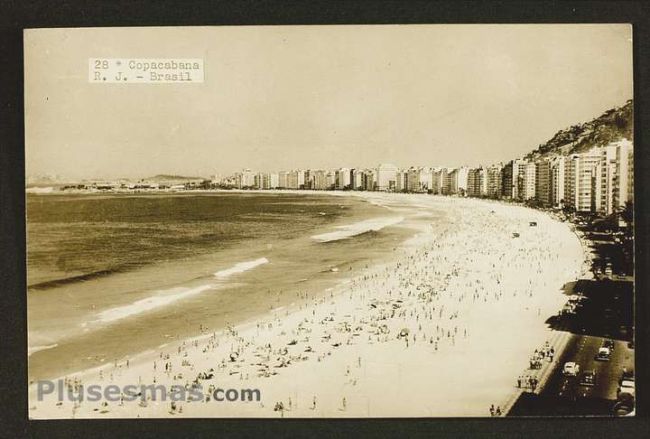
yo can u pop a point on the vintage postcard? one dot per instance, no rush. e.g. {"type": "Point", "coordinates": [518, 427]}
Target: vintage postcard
{"type": "Point", "coordinates": [330, 221]}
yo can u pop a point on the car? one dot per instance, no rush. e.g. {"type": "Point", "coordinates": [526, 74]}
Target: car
{"type": "Point", "coordinates": [588, 378]}
{"type": "Point", "coordinates": [627, 387]}
{"type": "Point", "coordinates": [569, 308]}
{"type": "Point", "coordinates": [571, 369]}
{"type": "Point", "coordinates": [628, 375]}
{"type": "Point", "coordinates": [609, 344]}
{"type": "Point", "coordinates": [603, 354]}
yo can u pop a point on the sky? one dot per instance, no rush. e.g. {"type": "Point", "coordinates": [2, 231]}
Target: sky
{"type": "Point", "coordinates": [285, 97]}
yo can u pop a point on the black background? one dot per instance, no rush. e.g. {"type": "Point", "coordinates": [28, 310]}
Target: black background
{"type": "Point", "coordinates": [18, 15]}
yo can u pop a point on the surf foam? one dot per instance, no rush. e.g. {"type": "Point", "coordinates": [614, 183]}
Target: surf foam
{"type": "Point", "coordinates": [150, 303]}
{"type": "Point", "coordinates": [35, 349]}
{"type": "Point", "coordinates": [350, 230]}
{"type": "Point", "coordinates": [240, 268]}
{"type": "Point", "coordinates": [167, 297]}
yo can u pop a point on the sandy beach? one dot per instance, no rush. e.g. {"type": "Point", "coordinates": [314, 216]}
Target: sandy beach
{"type": "Point", "coordinates": [444, 329]}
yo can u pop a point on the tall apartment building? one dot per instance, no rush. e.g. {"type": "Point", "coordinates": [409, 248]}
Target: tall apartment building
{"type": "Point", "coordinates": [292, 180]}
{"type": "Point", "coordinates": [301, 179]}
{"type": "Point", "coordinates": [526, 181]}
{"type": "Point", "coordinates": [438, 178]}
{"type": "Point", "coordinates": [245, 179]}
{"type": "Point", "coordinates": [401, 181]}
{"type": "Point", "coordinates": [624, 185]}
{"type": "Point", "coordinates": [477, 182]}
{"type": "Point", "coordinates": [446, 181]}
{"type": "Point", "coordinates": [600, 180]}
{"type": "Point", "coordinates": [320, 182]}
{"type": "Point", "coordinates": [368, 180]}
{"type": "Point", "coordinates": [282, 179]}
{"type": "Point", "coordinates": [309, 179]}
{"type": "Point", "coordinates": [556, 189]}
{"type": "Point", "coordinates": [630, 178]}
{"type": "Point", "coordinates": [511, 175]}
{"type": "Point", "coordinates": [413, 180]}
{"type": "Point", "coordinates": [582, 172]}
{"type": "Point", "coordinates": [386, 177]}
{"type": "Point", "coordinates": [494, 181]}
{"type": "Point", "coordinates": [342, 179]}
{"type": "Point", "coordinates": [357, 179]}
{"type": "Point", "coordinates": [274, 182]}
{"type": "Point", "coordinates": [426, 179]}
{"type": "Point", "coordinates": [543, 182]}
{"type": "Point", "coordinates": [330, 176]}
{"type": "Point", "coordinates": [607, 179]}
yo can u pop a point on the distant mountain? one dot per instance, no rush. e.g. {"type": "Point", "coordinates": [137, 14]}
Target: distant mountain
{"type": "Point", "coordinates": [44, 180]}
{"type": "Point", "coordinates": [172, 178]}
{"type": "Point", "coordinates": [613, 125]}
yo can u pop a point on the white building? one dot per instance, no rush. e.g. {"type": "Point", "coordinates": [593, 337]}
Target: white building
{"type": "Point", "coordinates": [527, 179]}
{"type": "Point", "coordinates": [624, 186]}
{"type": "Point", "coordinates": [245, 179]}
{"type": "Point", "coordinates": [557, 181]}
{"type": "Point", "coordinates": [386, 177]}
{"type": "Point", "coordinates": [357, 179]}
{"type": "Point", "coordinates": [282, 179]}
{"type": "Point", "coordinates": [401, 181]}
{"type": "Point", "coordinates": [343, 179]}
{"type": "Point", "coordinates": [581, 174]}
{"type": "Point", "coordinates": [494, 181]}
{"type": "Point", "coordinates": [274, 180]}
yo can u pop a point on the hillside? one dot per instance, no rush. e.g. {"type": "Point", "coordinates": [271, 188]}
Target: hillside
{"type": "Point", "coordinates": [613, 125]}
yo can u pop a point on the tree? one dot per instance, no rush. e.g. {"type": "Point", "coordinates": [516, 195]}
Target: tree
{"type": "Point", "coordinates": [628, 213]}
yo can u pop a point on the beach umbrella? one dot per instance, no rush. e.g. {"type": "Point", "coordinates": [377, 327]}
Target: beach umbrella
{"type": "Point", "coordinates": [404, 332]}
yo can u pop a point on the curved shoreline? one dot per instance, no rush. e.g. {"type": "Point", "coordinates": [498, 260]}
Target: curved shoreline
{"type": "Point", "coordinates": [431, 375]}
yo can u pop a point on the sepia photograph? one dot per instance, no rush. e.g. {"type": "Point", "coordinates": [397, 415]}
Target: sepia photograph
{"type": "Point", "coordinates": [330, 221]}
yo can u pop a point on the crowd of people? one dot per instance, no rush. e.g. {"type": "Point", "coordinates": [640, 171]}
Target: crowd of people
{"type": "Point", "coordinates": [431, 299]}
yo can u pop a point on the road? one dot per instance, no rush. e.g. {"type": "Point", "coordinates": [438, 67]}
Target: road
{"type": "Point", "coordinates": [566, 396]}
{"type": "Point", "coordinates": [582, 350]}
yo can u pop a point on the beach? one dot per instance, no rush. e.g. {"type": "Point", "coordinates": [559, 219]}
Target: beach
{"type": "Point", "coordinates": [442, 326]}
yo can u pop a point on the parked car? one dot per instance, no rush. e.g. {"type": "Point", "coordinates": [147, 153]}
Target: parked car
{"type": "Point", "coordinates": [628, 375]}
{"type": "Point", "coordinates": [603, 354]}
{"type": "Point", "coordinates": [588, 378]}
{"type": "Point", "coordinates": [571, 369]}
{"type": "Point", "coordinates": [624, 404]}
{"type": "Point", "coordinates": [626, 387]}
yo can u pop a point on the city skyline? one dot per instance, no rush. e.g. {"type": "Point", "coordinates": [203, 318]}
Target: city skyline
{"type": "Point", "coordinates": [306, 96]}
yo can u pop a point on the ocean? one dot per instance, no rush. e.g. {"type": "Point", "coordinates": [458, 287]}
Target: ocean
{"type": "Point", "coordinates": [111, 275]}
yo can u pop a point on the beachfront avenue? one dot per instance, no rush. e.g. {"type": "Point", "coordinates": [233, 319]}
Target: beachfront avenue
{"type": "Point", "coordinates": [151, 392]}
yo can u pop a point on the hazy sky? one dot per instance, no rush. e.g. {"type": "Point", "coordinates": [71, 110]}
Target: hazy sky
{"type": "Point", "coordinates": [281, 97]}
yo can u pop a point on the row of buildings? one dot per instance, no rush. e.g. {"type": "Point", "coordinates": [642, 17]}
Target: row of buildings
{"type": "Point", "coordinates": [600, 180]}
